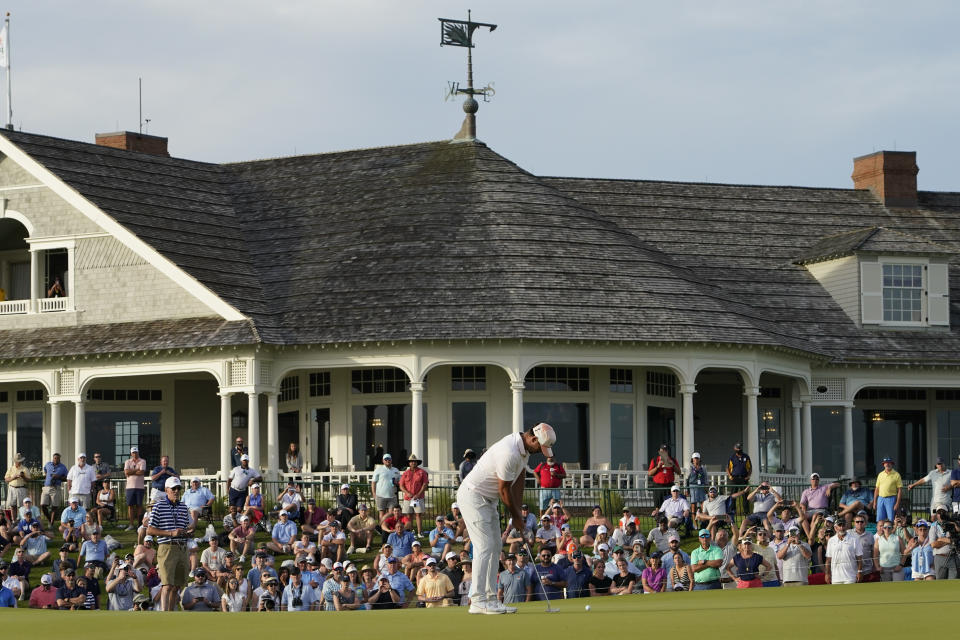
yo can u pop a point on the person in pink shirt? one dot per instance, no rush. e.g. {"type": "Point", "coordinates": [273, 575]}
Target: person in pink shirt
{"type": "Point", "coordinates": [413, 486]}
{"type": "Point", "coordinates": [135, 468]}
{"type": "Point", "coordinates": [814, 500]}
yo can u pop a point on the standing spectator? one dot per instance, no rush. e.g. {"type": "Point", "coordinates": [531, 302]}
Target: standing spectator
{"type": "Point", "coordinates": [739, 470]}
{"type": "Point", "coordinates": [197, 498]}
{"type": "Point", "coordinates": [577, 576]}
{"type": "Point", "coordinates": [435, 589]}
{"type": "Point", "coordinates": [844, 557]}
{"type": "Point", "coordinates": [135, 468]}
{"type": "Point", "coordinates": [591, 527]}
{"type": "Point", "coordinates": [158, 477]}
{"type": "Point", "coordinates": [939, 478]}
{"type": "Point", "coordinates": [283, 535]}
{"type": "Point", "coordinates": [513, 584]}
{"type": "Point", "coordinates": [888, 491]}
{"type": "Point", "coordinates": [654, 577]}
{"type": "Point", "coordinates": [946, 562]}
{"type": "Point", "coordinates": [121, 588]}
{"type": "Point", "coordinates": [729, 548]}
{"type": "Point", "coordinates": [746, 566]}
{"type": "Point", "coordinates": [705, 562]}
{"type": "Point", "coordinates": [794, 557]}
{"type": "Point", "coordinates": [51, 499]}
{"type": "Point", "coordinates": [865, 538]}
{"type": "Point", "coordinates": [346, 505]}
{"type": "Point", "coordinates": [384, 484]}
{"type": "Point", "coordinates": [662, 471]}
{"type": "Point", "coordinates": [455, 573]}
{"type": "Point", "coordinates": [854, 499]}
{"type": "Point", "coordinates": [922, 566]}
{"type": "Point", "coordinates": [28, 506]}
{"type": "Point", "coordinates": [361, 528]}
{"type": "Point", "coordinates": [80, 480]}
{"type": "Point", "coordinates": [888, 552]}
{"type": "Point", "coordinates": [171, 525]}
{"type": "Point", "coordinates": [293, 459]}
{"type": "Point", "coordinates": [413, 487]}
{"type": "Point", "coordinates": [697, 482]}
{"type": "Point", "coordinates": [105, 501]}
{"type": "Point", "coordinates": [550, 475]}
{"type": "Point", "coordinates": [240, 478]}
{"type": "Point", "coordinates": [550, 576]}
{"type": "Point", "coordinates": [201, 595]}
{"type": "Point", "coordinates": [469, 462]}
{"type": "Point", "coordinates": [103, 471]}
{"type": "Point", "coordinates": [16, 478]}
{"type": "Point", "coordinates": [237, 452]}
{"type": "Point", "coordinates": [814, 501]}
{"type": "Point", "coordinates": [769, 576]}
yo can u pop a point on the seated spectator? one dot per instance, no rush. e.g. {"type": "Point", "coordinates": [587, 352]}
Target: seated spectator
{"type": "Point", "coordinates": [624, 581]}
{"type": "Point", "coordinates": [441, 538]}
{"type": "Point", "coordinates": [333, 544]}
{"type": "Point", "coordinates": [315, 518]}
{"type": "Point", "coordinates": [414, 561]}
{"type": "Point", "coordinates": [559, 513]}
{"type": "Point", "coordinates": [231, 519]}
{"type": "Point", "coordinates": [786, 516]}
{"type": "Point", "coordinates": [627, 536]}
{"type": "Point", "coordinates": [233, 599]}
{"type": "Point", "coordinates": [401, 540]}
{"type": "Point", "coordinates": [20, 569]}
{"type": "Point", "coordinates": [89, 526]}
{"type": "Point", "coordinates": [660, 536]}
{"type": "Point", "coordinates": [283, 535]}
{"type": "Point", "coordinates": [297, 595]}
{"type": "Point", "coordinates": [70, 596]}
{"type": "Point", "coordinates": [213, 559]}
{"type": "Point", "coordinates": [71, 536]}
{"type": "Point", "coordinates": [34, 544]}
{"type": "Point", "coordinates": [454, 520]}
{"type": "Point", "coordinates": [290, 501]}
{"type": "Point", "coordinates": [813, 501]}
{"type": "Point", "coordinates": [566, 545]}
{"type": "Point", "coordinates": [88, 581]}
{"type": "Point", "coordinates": [197, 498]}
{"type": "Point", "coordinates": [11, 583]}
{"type": "Point", "coordinates": [74, 514]}
{"type": "Point", "coordinates": [361, 529]}
{"type": "Point", "coordinates": [268, 598]}
{"type": "Point", "coordinates": [61, 563]}
{"type": "Point", "coordinates": [44, 596]}
{"type": "Point", "coordinates": [854, 499]}
{"type": "Point", "coordinates": [398, 579]}
{"type": "Point", "coordinates": [121, 588]}
{"type": "Point", "coordinates": [94, 551]}
{"type": "Point", "coordinates": [346, 506]}
{"type": "Point", "coordinates": [513, 583]}
{"type": "Point", "coordinates": [201, 594]}
{"type": "Point", "coordinates": [627, 518]}
{"type": "Point", "coordinates": [764, 497]}
{"type": "Point", "coordinates": [381, 559]}
{"type": "Point", "coordinates": [390, 519]}
{"type": "Point", "coordinates": [713, 511]}
{"type": "Point", "coordinates": [29, 506]}
{"type": "Point", "coordinates": [385, 596]}
{"type": "Point", "coordinates": [599, 583]}
{"type": "Point", "coordinates": [24, 526]}
{"type": "Point", "coordinates": [303, 548]}
{"type": "Point", "coordinates": [551, 577]}
{"type": "Point", "coordinates": [654, 577]}
{"type": "Point", "coordinates": [591, 528]}
{"type": "Point", "coordinates": [259, 571]}
{"type": "Point", "coordinates": [638, 555]}
{"type": "Point", "coordinates": [106, 500]}
{"type": "Point", "coordinates": [547, 535]}
{"type": "Point", "coordinates": [516, 538]}
{"type": "Point", "coordinates": [145, 555]}
{"type": "Point", "coordinates": [901, 526]}
{"type": "Point", "coordinates": [675, 508]}
{"type": "Point", "coordinates": [795, 559]}
{"type": "Point", "coordinates": [242, 537]}
{"type": "Point", "coordinates": [434, 589]}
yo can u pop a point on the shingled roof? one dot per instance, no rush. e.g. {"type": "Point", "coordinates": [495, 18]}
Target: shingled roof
{"type": "Point", "coordinates": [453, 241]}
{"type": "Point", "coordinates": [876, 240]}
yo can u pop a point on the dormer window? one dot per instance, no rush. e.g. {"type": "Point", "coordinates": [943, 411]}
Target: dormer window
{"type": "Point", "coordinates": [903, 292]}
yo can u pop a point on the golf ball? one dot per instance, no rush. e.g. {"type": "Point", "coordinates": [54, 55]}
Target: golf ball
{"type": "Point", "coordinates": [587, 608]}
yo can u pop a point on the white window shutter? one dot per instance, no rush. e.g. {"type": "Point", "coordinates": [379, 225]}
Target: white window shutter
{"type": "Point", "coordinates": [938, 295]}
{"type": "Point", "coordinates": [871, 292]}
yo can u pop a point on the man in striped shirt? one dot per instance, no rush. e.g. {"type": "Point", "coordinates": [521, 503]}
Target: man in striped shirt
{"type": "Point", "coordinates": [172, 526]}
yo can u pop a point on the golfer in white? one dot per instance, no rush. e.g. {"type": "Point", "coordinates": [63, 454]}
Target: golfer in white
{"type": "Point", "coordinates": [498, 475]}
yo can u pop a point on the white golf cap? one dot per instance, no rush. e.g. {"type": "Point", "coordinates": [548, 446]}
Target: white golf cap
{"type": "Point", "coordinates": [431, 561]}
{"type": "Point", "coordinates": [547, 437]}
{"type": "Point", "coordinates": [450, 554]}
{"type": "Point", "coordinates": [695, 455]}
{"type": "Point", "coordinates": [602, 529]}
{"type": "Point", "coordinates": [134, 450]}
{"type": "Point", "coordinates": [675, 487]}
{"type": "Point", "coordinates": [195, 479]}
{"type": "Point", "coordinates": [454, 506]}
{"type": "Point", "coordinates": [603, 546]}
{"type": "Point", "coordinates": [172, 481]}
{"type": "Point", "coordinates": [81, 455]}
{"type": "Point", "coordinates": [26, 500]}
{"type": "Point", "coordinates": [244, 457]}
{"type": "Point", "coordinates": [344, 486]}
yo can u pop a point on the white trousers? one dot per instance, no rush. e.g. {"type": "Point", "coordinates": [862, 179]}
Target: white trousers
{"type": "Point", "coordinates": [483, 525]}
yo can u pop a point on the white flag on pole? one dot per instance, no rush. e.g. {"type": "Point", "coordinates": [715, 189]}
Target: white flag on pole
{"type": "Point", "coordinates": [4, 50]}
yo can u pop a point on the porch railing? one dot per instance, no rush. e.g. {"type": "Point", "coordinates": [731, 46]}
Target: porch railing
{"type": "Point", "coordinates": [9, 307]}
{"type": "Point", "coordinates": [53, 304]}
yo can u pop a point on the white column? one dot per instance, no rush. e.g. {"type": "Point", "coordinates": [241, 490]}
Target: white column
{"type": "Point", "coordinates": [688, 446]}
{"type": "Point", "coordinates": [253, 430]}
{"type": "Point", "coordinates": [807, 444]}
{"type": "Point", "coordinates": [55, 428]}
{"type": "Point", "coordinates": [273, 435]}
{"type": "Point", "coordinates": [848, 440]}
{"type": "Point", "coordinates": [226, 436]}
{"type": "Point", "coordinates": [79, 429]}
{"type": "Point", "coordinates": [416, 421]}
{"type": "Point", "coordinates": [34, 282]}
{"type": "Point", "coordinates": [797, 446]}
{"type": "Point", "coordinates": [753, 430]}
{"type": "Point", "coordinates": [516, 388]}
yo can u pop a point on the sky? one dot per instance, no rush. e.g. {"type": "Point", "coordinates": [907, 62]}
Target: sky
{"type": "Point", "coordinates": [741, 92]}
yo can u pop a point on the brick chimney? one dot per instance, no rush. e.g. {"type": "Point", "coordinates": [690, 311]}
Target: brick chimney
{"type": "Point", "coordinates": [132, 141]}
{"type": "Point", "coordinates": [890, 175]}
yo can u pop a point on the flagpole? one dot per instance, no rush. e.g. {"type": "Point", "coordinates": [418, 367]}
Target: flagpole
{"type": "Point", "coordinates": [9, 84]}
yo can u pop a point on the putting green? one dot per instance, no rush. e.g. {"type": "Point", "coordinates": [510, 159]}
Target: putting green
{"type": "Point", "coordinates": [818, 612]}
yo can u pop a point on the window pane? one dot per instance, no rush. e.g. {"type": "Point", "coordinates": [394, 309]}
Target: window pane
{"type": "Point", "coordinates": [570, 420]}
{"type": "Point", "coordinates": [112, 433]}
{"type": "Point", "coordinates": [469, 428]}
{"type": "Point", "coordinates": [30, 437]}
{"type": "Point", "coordinates": [621, 435]}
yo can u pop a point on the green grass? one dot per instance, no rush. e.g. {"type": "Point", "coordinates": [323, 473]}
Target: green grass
{"type": "Point", "coordinates": [890, 609]}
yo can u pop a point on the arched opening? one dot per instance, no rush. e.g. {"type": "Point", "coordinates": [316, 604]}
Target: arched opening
{"type": "Point", "coordinates": [14, 265]}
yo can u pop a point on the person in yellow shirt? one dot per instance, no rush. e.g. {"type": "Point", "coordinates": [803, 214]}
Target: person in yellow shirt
{"type": "Point", "coordinates": [886, 496]}
{"type": "Point", "coordinates": [434, 588]}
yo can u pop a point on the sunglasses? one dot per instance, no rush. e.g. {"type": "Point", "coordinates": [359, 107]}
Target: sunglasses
{"type": "Point", "coordinates": [859, 522]}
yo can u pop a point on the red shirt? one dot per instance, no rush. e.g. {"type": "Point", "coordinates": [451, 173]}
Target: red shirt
{"type": "Point", "coordinates": [547, 480]}
{"type": "Point", "coordinates": [665, 475]}
{"type": "Point", "coordinates": [413, 481]}
{"type": "Point", "coordinates": [40, 598]}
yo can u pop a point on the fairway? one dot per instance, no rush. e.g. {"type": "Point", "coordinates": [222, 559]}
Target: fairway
{"type": "Point", "coordinates": [807, 612]}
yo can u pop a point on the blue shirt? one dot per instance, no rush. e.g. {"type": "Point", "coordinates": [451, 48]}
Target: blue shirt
{"type": "Point", "coordinates": [514, 585]}
{"type": "Point", "coordinates": [196, 499]}
{"type": "Point", "coordinates": [254, 576]}
{"type": "Point", "coordinates": [168, 472]}
{"type": "Point", "coordinates": [555, 574]}
{"type": "Point", "coordinates": [305, 592]}
{"type": "Point", "coordinates": [439, 537]}
{"type": "Point", "coordinates": [93, 552]}
{"type": "Point", "coordinates": [78, 515]}
{"type": "Point", "coordinates": [862, 495]}
{"type": "Point", "coordinates": [284, 532]}
{"type": "Point", "coordinates": [577, 582]}
{"type": "Point", "coordinates": [385, 479]}
{"type": "Point", "coordinates": [6, 598]}
{"type": "Point", "coordinates": [400, 583]}
{"type": "Point", "coordinates": [402, 545]}
{"type": "Point", "coordinates": [51, 470]}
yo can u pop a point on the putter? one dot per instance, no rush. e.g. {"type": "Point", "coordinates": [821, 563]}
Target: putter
{"type": "Point", "coordinates": [542, 588]}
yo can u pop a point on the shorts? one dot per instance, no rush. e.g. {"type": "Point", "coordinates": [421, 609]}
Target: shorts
{"type": "Point", "coordinates": [135, 497]}
{"type": "Point", "coordinates": [173, 564]}
{"type": "Point", "coordinates": [412, 506]}
{"type": "Point", "coordinates": [82, 498]}
{"type": "Point", "coordinates": [749, 584]}
{"type": "Point", "coordinates": [238, 498]}
{"type": "Point", "coordinates": [51, 497]}
{"type": "Point", "coordinates": [385, 504]}
{"type": "Point", "coordinates": [15, 496]}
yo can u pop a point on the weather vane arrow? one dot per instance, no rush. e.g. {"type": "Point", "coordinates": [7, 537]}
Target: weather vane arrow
{"type": "Point", "coordinates": [459, 33]}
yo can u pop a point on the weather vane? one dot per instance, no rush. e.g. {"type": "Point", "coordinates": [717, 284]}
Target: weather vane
{"type": "Point", "coordinates": [458, 33]}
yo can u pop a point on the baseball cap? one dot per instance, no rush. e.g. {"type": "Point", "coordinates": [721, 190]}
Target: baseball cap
{"type": "Point", "coordinates": [360, 507]}
{"type": "Point", "coordinates": [738, 446]}
{"type": "Point", "coordinates": [675, 488]}
{"type": "Point", "coordinates": [391, 559]}
{"type": "Point", "coordinates": [195, 479]}
{"type": "Point", "coordinates": [387, 456]}
{"type": "Point", "coordinates": [244, 518]}
{"type": "Point", "coordinates": [148, 538]}
{"type": "Point", "coordinates": [344, 486]}
{"type": "Point", "coordinates": [546, 517]}
{"type": "Point", "coordinates": [283, 512]}
{"type": "Point", "coordinates": [81, 455]}
{"type": "Point", "coordinates": [431, 561]}
{"type": "Point", "coordinates": [814, 475]}
{"type": "Point", "coordinates": [712, 490]}
{"type": "Point", "coordinates": [547, 438]}
{"type": "Point", "coordinates": [602, 529]}
{"type": "Point", "coordinates": [794, 529]}
{"type": "Point", "coordinates": [565, 526]}
{"type": "Point", "coordinates": [603, 546]}
{"type": "Point", "coordinates": [338, 565]}
{"type": "Point", "coordinates": [940, 460]}
{"type": "Point", "coordinates": [779, 527]}
{"type": "Point", "coordinates": [455, 506]}
{"type": "Point", "coordinates": [922, 523]}
{"type": "Point", "coordinates": [887, 459]}
{"type": "Point", "coordinates": [134, 450]}
{"type": "Point", "coordinates": [450, 554]}
{"type": "Point", "coordinates": [626, 510]}
{"type": "Point", "coordinates": [695, 455]}
{"type": "Point", "coordinates": [353, 568]}
{"type": "Point", "coordinates": [46, 579]}
{"type": "Point", "coordinates": [467, 452]}
{"type": "Point", "coordinates": [244, 457]}
{"type": "Point", "coordinates": [416, 543]}
{"type": "Point", "coordinates": [74, 499]}
{"type": "Point", "coordinates": [172, 481]}
{"type": "Point", "coordinates": [327, 562]}
{"type": "Point", "coordinates": [27, 499]}
{"type": "Point", "coordinates": [199, 572]}
{"type": "Point", "coordinates": [672, 538]}
{"type": "Point", "coordinates": [255, 485]}
{"type": "Point", "coordinates": [703, 533]}
{"type": "Point", "coordinates": [527, 507]}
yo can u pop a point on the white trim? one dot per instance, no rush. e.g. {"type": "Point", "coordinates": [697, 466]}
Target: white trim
{"type": "Point", "coordinates": [16, 215]}
{"type": "Point", "coordinates": [20, 187]}
{"type": "Point", "coordinates": [126, 237]}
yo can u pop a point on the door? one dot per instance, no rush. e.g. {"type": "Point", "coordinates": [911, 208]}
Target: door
{"type": "Point", "coordinates": [320, 439]}
{"type": "Point", "coordinates": [288, 430]}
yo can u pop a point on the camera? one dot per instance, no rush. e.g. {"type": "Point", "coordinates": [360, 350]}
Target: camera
{"type": "Point", "coordinates": [297, 602]}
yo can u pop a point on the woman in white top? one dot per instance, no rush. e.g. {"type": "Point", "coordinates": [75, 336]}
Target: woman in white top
{"type": "Point", "coordinates": [233, 599]}
{"type": "Point", "coordinates": [294, 461]}
{"type": "Point", "coordinates": [888, 552]}
{"type": "Point", "coordinates": [380, 562]}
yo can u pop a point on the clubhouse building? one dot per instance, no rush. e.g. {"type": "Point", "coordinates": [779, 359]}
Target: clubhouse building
{"type": "Point", "coordinates": [434, 297]}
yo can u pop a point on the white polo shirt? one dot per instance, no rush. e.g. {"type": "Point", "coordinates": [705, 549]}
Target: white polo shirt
{"type": "Point", "coordinates": [505, 461]}
{"type": "Point", "coordinates": [843, 554]}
